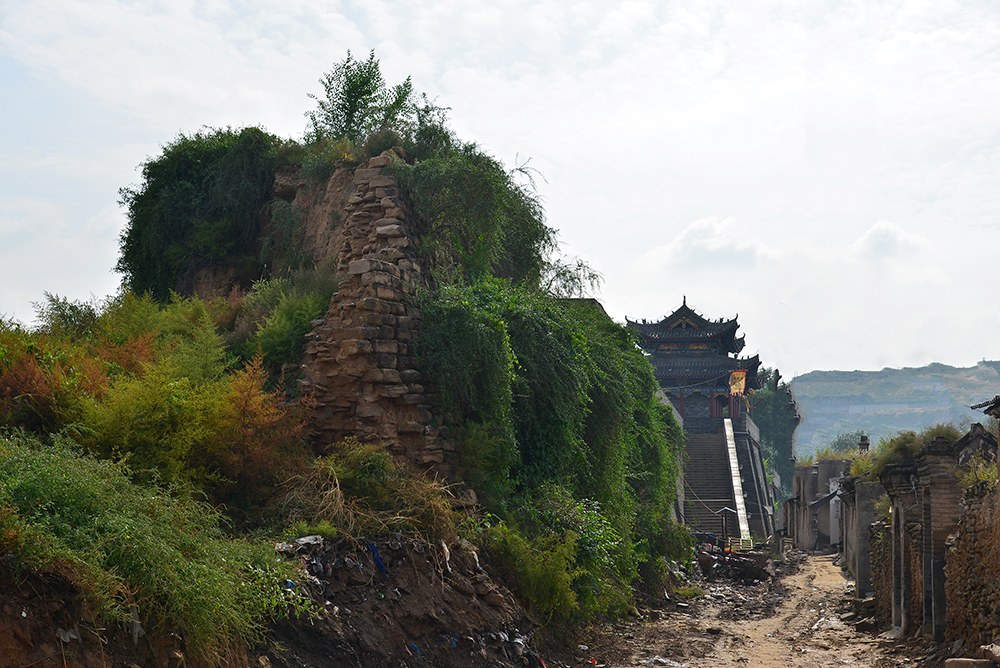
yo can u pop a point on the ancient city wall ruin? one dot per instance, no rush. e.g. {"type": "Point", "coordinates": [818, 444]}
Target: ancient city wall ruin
{"type": "Point", "coordinates": [359, 363]}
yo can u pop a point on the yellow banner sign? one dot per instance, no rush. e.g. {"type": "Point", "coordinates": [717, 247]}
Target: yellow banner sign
{"type": "Point", "coordinates": [737, 382]}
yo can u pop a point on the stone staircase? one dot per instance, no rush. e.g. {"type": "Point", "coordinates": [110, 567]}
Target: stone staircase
{"type": "Point", "coordinates": [708, 483]}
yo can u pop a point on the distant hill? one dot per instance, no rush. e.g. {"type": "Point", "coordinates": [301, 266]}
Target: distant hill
{"type": "Point", "coordinates": [884, 402]}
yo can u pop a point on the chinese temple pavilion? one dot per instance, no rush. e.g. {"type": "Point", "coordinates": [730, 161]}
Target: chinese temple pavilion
{"type": "Point", "coordinates": [696, 362]}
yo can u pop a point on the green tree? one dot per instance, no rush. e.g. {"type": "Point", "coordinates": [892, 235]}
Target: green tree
{"type": "Point", "coordinates": [845, 442]}
{"type": "Point", "coordinates": [774, 409]}
{"type": "Point", "coordinates": [477, 218]}
{"type": "Point", "coordinates": [199, 203]}
{"type": "Point", "coordinates": [357, 103]}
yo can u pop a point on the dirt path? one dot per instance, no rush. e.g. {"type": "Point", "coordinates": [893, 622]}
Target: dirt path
{"type": "Point", "coordinates": [792, 621]}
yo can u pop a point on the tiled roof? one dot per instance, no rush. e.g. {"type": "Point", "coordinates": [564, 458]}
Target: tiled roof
{"type": "Point", "coordinates": [702, 366]}
{"type": "Point", "coordinates": [685, 324]}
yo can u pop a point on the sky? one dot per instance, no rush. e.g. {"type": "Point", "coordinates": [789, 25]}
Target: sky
{"type": "Point", "coordinates": [829, 172]}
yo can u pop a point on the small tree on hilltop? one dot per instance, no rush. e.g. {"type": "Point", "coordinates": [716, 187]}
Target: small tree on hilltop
{"type": "Point", "coordinates": [357, 103]}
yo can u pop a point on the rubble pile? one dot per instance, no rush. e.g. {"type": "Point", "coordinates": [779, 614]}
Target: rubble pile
{"type": "Point", "coordinates": [395, 599]}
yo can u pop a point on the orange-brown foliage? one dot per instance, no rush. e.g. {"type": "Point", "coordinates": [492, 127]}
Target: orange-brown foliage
{"type": "Point", "coordinates": [42, 379]}
{"type": "Point", "coordinates": [260, 442]}
{"type": "Point", "coordinates": [130, 356]}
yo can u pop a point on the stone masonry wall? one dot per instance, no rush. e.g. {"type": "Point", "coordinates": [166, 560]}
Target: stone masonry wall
{"type": "Point", "coordinates": [359, 361]}
{"type": "Point", "coordinates": [973, 569]}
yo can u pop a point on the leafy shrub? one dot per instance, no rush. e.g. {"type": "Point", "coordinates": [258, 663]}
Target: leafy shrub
{"type": "Point", "coordinates": [283, 335]}
{"type": "Point", "coordinates": [861, 462]}
{"type": "Point", "coordinates": [552, 395]}
{"type": "Point", "coordinates": [60, 317]}
{"type": "Point", "coordinates": [473, 215]}
{"type": "Point", "coordinates": [542, 569]}
{"type": "Point", "coordinates": [488, 453]}
{"type": "Point", "coordinates": [189, 341]}
{"type": "Point", "coordinates": [323, 156]}
{"type": "Point", "coordinates": [979, 469]}
{"type": "Point", "coordinates": [827, 453]}
{"type": "Point", "coordinates": [277, 312]}
{"type": "Point", "coordinates": [44, 379]}
{"type": "Point", "coordinates": [257, 445]}
{"type": "Point", "coordinates": [264, 297]}
{"type": "Point", "coordinates": [123, 544]}
{"type": "Point", "coordinates": [227, 437]}
{"type": "Point", "coordinates": [158, 422]}
{"type": "Point", "coordinates": [129, 316]}
{"type": "Point", "coordinates": [465, 347]}
{"type": "Point", "coordinates": [602, 563]}
{"type": "Point", "coordinates": [905, 445]}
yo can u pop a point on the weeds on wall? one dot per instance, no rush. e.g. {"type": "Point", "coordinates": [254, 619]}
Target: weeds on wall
{"type": "Point", "coordinates": [980, 468]}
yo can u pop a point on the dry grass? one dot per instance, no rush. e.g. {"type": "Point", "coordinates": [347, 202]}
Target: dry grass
{"type": "Point", "coordinates": [361, 489]}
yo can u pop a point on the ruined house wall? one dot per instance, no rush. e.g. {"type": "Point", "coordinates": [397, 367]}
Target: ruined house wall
{"type": "Point", "coordinates": [880, 545]}
{"type": "Point", "coordinates": [913, 543]}
{"type": "Point", "coordinates": [973, 569]}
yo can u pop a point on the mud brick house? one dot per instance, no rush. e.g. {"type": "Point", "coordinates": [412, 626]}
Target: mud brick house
{"type": "Point", "coordinates": [812, 513]}
{"type": "Point", "coordinates": [857, 513]}
{"type": "Point", "coordinates": [696, 362]}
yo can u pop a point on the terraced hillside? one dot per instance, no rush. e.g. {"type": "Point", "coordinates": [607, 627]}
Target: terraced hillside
{"type": "Point", "coordinates": [884, 402]}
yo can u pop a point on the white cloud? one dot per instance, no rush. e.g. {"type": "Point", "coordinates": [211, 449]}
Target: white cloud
{"type": "Point", "coordinates": [710, 244]}
{"type": "Point", "coordinates": [886, 240]}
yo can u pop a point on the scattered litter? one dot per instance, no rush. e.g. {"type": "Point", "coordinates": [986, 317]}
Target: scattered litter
{"type": "Point", "coordinates": [447, 556]}
{"type": "Point", "coordinates": [660, 661]}
{"type": "Point", "coordinates": [137, 631]}
{"type": "Point", "coordinates": [582, 648]}
{"type": "Point", "coordinates": [378, 560]}
{"type": "Point", "coordinates": [66, 636]}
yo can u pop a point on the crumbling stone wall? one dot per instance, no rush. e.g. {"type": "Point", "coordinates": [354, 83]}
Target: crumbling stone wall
{"type": "Point", "coordinates": [359, 363]}
{"type": "Point", "coordinates": [973, 569]}
{"type": "Point", "coordinates": [880, 549]}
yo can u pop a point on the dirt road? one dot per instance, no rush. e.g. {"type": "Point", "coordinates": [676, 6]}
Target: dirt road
{"type": "Point", "coordinates": [794, 620]}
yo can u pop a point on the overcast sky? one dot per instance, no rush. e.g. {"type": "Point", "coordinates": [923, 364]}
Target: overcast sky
{"type": "Point", "coordinates": [828, 171]}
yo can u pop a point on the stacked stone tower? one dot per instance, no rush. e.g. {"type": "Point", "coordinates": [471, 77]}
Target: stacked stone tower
{"type": "Point", "coordinates": [359, 363]}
